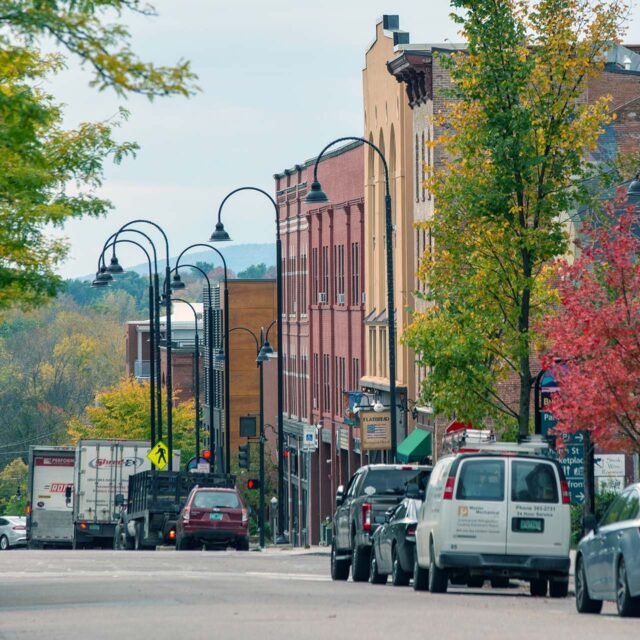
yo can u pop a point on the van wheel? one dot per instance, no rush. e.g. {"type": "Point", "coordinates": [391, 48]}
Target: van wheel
{"type": "Point", "coordinates": [375, 577]}
{"type": "Point", "coordinates": [399, 577]}
{"type": "Point", "coordinates": [558, 588]}
{"type": "Point", "coordinates": [359, 564]}
{"type": "Point", "coordinates": [420, 576]}
{"type": "Point", "coordinates": [584, 603]}
{"type": "Point", "coordinates": [339, 568]}
{"type": "Point", "coordinates": [475, 583]}
{"type": "Point", "coordinates": [438, 578]}
{"type": "Point", "coordinates": [538, 587]}
{"type": "Point", "coordinates": [627, 606]}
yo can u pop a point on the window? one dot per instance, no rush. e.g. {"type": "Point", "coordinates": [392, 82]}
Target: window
{"type": "Point", "coordinates": [285, 384]}
{"type": "Point", "coordinates": [417, 169]}
{"type": "Point", "coordinates": [326, 379]}
{"type": "Point", "coordinates": [533, 482]}
{"type": "Point", "coordinates": [303, 283]}
{"type": "Point", "coordinates": [384, 349]}
{"type": "Point", "coordinates": [340, 384]}
{"type": "Point", "coordinates": [423, 172]}
{"type": "Point", "coordinates": [373, 358]}
{"type": "Point", "coordinates": [632, 508]}
{"type": "Point", "coordinates": [338, 273]}
{"type": "Point", "coordinates": [314, 274]}
{"type": "Point", "coordinates": [325, 272]}
{"type": "Point", "coordinates": [481, 480]}
{"type": "Point", "coordinates": [617, 512]}
{"type": "Point", "coordinates": [292, 281]}
{"type": "Point", "coordinates": [316, 380]}
{"type": "Point", "coordinates": [304, 380]}
{"type": "Point", "coordinates": [285, 288]}
{"type": "Point", "coordinates": [210, 499]}
{"type": "Point", "coordinates": [355, 373]}
{"type": "Point", "coordinates": [355, 274]}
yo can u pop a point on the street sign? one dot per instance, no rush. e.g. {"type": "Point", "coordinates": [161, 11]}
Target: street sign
{"type": "Point", "coordinates": [201, 465]}
{"type": "Point", "coordinates": [548, 387]}
{"type": "Point", "coordinates": [159, 455]}
{"type": "Point", "coordinates": [609, 464]}
{"type": "Point", "coordinates": [573, 464]}
{"type": "Point", "coordinates": [375, 430]}
{"type": "Point", "coordinates": [309, 437]}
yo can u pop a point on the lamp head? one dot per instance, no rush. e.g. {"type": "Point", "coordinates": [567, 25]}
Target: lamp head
{"type": "Point", "coordinates": [378, 407]}
{"type": "Point", "coordinates": [266, 348]}
{"type": "Point", "coordinates": [316, 195]}
{"type": "Point", "coordinates": [177, 283]}
{"type": "Point", "coordinates": [634, 188]}
{"type": "Point", "coordinates": [262, 356]}
{"type": "Point", "coordinates": [219, 234]}
{"type": "Point", "coordinates": [114, 266]}
{"type": "Point", "coordinates": [102, 278]}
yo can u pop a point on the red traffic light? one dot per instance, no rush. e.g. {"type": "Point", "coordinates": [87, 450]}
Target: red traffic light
{"type": "Point", "coordinates": [252, 483]}
{"type": "Point", "coordinates": [285, 453]}
{"type": "Point", "coordinates": [206, 454]}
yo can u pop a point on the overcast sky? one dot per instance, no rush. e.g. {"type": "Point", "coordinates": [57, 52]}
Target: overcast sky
{"type": "Point", "coordinates": [279, 80]}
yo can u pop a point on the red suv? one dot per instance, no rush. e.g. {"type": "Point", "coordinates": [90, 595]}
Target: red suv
{"type": "Point", "coordinates": [214, 518]}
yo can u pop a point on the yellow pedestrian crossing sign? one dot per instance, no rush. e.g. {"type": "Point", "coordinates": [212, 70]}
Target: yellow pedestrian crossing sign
{"type": "Point", "coordinates": [159, 455]}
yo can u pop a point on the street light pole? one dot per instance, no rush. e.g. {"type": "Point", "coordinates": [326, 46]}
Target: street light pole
{"type": "Point", "coordinates": [317, 196]}
{"type": "Point", "coordinates": [220, 235]}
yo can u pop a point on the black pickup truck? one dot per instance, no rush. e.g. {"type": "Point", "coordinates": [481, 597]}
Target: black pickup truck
{"type": "Point", "coordinates": [361, 508]}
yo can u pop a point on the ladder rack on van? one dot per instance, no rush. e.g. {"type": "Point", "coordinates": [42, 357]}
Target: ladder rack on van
{"type": "Point", "coordinates": [478, 440]}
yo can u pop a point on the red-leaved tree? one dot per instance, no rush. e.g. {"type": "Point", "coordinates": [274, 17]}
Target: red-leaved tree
{"type": "Point", "coordinates": [594, 335]}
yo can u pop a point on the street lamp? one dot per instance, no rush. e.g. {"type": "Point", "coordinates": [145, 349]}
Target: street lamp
{"type": "Point", "coordinates": [262, 355]}
{"type": "Point", "coordinates": [115, 267]}
{"type": "Point", "coordinates": [220, 235]}
{"type": "Point", "coordinates": [103, 279]}
{"type": "Point", "coordinates": [227, 401]}
{"type": "Point", "coordinates": [196, 362]}
{"type": "Point", "coordinates": [318, 196]}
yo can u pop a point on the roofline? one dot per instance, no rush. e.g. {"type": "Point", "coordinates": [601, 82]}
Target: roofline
{"type": "Point", "coordinates": [327, 156]}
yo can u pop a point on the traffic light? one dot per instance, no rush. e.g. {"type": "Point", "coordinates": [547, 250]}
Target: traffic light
{"type": "Point", "coordinates": [252, 483]}
{"type": "Point", "coordinates": [243, 456]}
{"type": "Point", "coordinates": [206, 455]}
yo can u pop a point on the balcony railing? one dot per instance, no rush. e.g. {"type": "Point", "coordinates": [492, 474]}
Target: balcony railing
{"type": "Point", "coordinates": [141, 369]}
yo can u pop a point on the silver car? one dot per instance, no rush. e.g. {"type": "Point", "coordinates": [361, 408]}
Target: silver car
{"type": "Point", "coordinates": [608, 558]}
{"type": "Point", "coordinates": [13, 532]}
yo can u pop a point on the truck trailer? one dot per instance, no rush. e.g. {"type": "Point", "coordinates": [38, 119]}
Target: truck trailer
{"type": "Point", "coordinates": [49, 486]}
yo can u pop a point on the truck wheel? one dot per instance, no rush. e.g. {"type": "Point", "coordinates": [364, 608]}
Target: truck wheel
{"type": "Point", "coordinates": [339, 567]}
{"type": "Point", "coordinates": [359, 564]}
{"type": "Point", "coordinates": [627, 605]}
{"type": "Point", "coordinates": [538, 587]}
{"type": "Point", "coordinates": [420, 575]}
{"type": "Point", "coordinates": [559, 588]}
{"type": "Point", "coordinates": [438, 578]}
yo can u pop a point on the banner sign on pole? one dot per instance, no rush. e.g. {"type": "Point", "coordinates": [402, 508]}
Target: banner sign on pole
{"type": "Point", "coordinates": [375, 430]}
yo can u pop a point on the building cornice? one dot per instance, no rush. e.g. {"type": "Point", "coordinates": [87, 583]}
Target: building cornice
{"type": "Point", "coordinates": [415, 69]}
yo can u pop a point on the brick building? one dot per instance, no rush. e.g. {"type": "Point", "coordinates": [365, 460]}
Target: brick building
{"type": "Point", "coordinates": [323, 283]}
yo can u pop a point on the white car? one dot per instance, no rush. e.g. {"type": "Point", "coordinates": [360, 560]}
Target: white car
{"type": "Point", "coordinates": [494, 516]}
{"type": "Point", "coordinates": [13, 532]}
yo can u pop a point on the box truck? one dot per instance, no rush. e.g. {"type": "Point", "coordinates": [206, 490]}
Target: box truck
{"type": "Point", "coordinates": [49, 487]}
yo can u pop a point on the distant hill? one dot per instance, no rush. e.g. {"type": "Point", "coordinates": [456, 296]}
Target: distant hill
{"type": "Point", "coordinates": [238, 257]}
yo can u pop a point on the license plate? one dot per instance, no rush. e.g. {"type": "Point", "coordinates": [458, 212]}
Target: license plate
{"type": "Point", "coordinates": [528, 525]}
{"type": "Point", "coordinates": [94, 527]}
{"type": "Point", "coordinates": [215, 516]}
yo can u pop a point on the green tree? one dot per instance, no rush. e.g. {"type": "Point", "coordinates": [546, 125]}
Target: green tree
{"type": "Point", "coordinates": [123, 412]}
{"type": "Point", "coordinates": [13, 488]}
{"type": "Point", "coordinates": [38, 157]}
{"type": "Point", "coordinates": [254, 272]}
{"type": "Point", "coordinates": [517, 135]}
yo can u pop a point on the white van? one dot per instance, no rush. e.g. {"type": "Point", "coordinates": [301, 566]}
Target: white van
{"type": "Point", "coordinates": [494, 516]}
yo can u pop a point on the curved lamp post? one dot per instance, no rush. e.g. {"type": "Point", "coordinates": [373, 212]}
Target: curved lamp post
{"type": "Point", "coordinates": [318, 196]}
{"type": "Point", "coordinates": [227, 402]}
{"type": "Point", "coordinates": [263, 349]}
{"type": "Point", "coordinates": [220, 235]}
{"type": "Point", "coordinates": [103, 278]}
{"type": "Point", "coordinates": [196, 362]}
{"type": "Point", "coordinates": [115, 268]}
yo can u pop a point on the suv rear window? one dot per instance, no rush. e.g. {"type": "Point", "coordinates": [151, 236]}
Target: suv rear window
{"type": "Point", "coordinates": [481, 480]}
{"type": "Point", "coordinates": [393, 481]}
{"type": "Point", "coordinates": [533, 482]}
{"type": "Point", "coordinates": [209, 499]}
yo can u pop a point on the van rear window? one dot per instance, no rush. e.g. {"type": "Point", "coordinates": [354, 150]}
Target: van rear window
{"type": "Point", "coordinates": [533, 482]}
{"type": "Point", "coordinates": [481, 480]}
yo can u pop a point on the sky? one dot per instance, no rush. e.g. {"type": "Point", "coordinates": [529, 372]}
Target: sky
{"type": "Point", "coordinates": [279, 79]}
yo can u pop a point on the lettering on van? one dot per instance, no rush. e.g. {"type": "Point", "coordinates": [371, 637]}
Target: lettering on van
{"type": "Point", "coordinates": [540, 510]}
{"type": "Point", "coordinates": [473, 520]}
{"type": "Point", "coordinates": [107, 462]}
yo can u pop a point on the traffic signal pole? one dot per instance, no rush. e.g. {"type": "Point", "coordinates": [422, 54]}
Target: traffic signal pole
{"type": "Point", "coordinates": [262, 497]}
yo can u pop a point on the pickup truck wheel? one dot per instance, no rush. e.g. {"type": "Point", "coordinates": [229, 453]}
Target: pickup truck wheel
{"type": "Point", "coordinates": [375, 577]}
{"type": "Point", "coordinates": [399, 577]}
{"type": "Point", "coordinates": [538, 587]}
{"type": "Point", "coordinates": [420, 575]}
{"type": "Point", "coordinates": [584, 603]}
{"type": "Point", "coordinates": [438, 578]}
{"type": "Point", "coordinates": [559, 589]}
{"type": "Point", "coordinates": [339, 568]}
{"type": "Point", "coordinates": [359, 564]}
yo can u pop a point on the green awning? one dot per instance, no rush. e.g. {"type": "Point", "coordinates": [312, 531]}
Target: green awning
{"type": "Point", "coordinates": [415, 447]}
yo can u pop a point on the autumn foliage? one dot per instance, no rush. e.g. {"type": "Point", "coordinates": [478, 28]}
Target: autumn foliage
{"type": "Point", "coordinates": [594, 336]}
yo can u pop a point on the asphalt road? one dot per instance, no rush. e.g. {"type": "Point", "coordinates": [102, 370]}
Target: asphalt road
{"type": "Point", "coordinates": [95, 595]}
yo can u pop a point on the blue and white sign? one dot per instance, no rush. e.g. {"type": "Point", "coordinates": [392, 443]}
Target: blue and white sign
{"type": "Point", "coordinates": [309, 437]}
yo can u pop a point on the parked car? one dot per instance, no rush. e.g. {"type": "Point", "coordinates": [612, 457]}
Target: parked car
{"type": "Point", "coordinates": [213, 517]}
{"type": "Point", "coordinates": [13, 532]}
{"type": "Point", "coordinates": [494, 516]}
{"type": "Point", "coordinates": [394, 541]}
{"type": "Point", "coordinates": [361, 508]}
{"type": "Point", "coordinates": [608, 557]}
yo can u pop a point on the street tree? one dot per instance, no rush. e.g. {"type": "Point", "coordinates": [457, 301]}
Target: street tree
{"type": "Point", "coordinates": [123, 412]}
{"type": "Point", "coordinates": [593, 337]}
{"type": "Point", "coordinates": [517, 133]}
{"type": "Point", "coordinates": [49, 174]}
